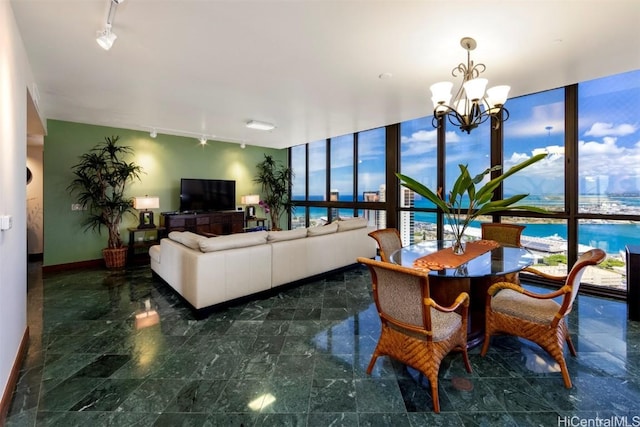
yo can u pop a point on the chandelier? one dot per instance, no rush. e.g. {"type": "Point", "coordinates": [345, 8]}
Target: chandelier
{"type": "Point", "coordinates": [471, 105]}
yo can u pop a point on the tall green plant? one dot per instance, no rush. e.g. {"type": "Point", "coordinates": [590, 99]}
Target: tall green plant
{"type": "Point", "coordinates": [480, 200]}
{"type": "Point", "coordinates": [275, 179]}
{"type": "Point", "coordinates": [101, 178]}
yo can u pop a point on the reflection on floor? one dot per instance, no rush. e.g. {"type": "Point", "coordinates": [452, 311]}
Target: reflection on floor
{"type": "Point", "coordinates": [121, 349]}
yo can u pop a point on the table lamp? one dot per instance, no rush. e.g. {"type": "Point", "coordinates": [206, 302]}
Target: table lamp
{"type": "Point", "coordinates": [249, 200]}
{"type": "Point", "coordinates": [146, 203]}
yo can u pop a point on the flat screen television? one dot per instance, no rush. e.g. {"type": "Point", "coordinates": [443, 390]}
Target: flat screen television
{"type": "Point", "coordinates": [205, 195]}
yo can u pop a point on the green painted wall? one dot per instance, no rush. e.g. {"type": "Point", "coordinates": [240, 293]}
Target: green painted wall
{"type": "Point", "coordinates": [164, 160]}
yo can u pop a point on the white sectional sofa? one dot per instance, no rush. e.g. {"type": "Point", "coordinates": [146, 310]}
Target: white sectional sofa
{"type": "Point", "coordinates": [207, 271]}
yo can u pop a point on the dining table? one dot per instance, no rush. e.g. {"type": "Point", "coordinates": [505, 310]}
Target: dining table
{"type": "Point", "coordinates": [483, 263]}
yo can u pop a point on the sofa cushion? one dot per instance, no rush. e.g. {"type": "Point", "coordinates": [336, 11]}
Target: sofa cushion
{"type": "Point", "coordinates": [187, 238]}
{"type": "Point", "coordinates": [322, 230]}
{"type": "Point", "coordinates": [279, 236]}
{"type": "Point", "coordinates": [233, 241]}
{"type": "Point", "coordinates": [351, 224]}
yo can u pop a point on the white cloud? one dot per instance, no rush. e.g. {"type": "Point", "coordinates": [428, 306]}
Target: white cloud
{"type": "Point", "coordinates": [599, 129]}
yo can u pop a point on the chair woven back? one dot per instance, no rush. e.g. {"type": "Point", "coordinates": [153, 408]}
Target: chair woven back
{"type": "Point", "coordinates": [400, 294]}
{"type": "Point", "coordinates": [388, 240]}
{"type": "Point", "coordinates": [591, 257]}
{"type": "Point", "coordinates": [508, 234]}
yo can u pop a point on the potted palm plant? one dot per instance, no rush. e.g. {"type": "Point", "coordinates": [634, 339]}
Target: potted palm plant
{"type": "Point", "coordinates": [465, 203]}
{"type": "Point", "coordinates": [275, 179]}
{"type": "Point", "coordinates": [101, 178]}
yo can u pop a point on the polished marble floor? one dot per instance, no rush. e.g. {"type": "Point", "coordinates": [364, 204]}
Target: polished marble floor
{"type": "Point", "coordinates": [99, 356]}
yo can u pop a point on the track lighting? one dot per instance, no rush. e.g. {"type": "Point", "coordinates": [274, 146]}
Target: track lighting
{"type": "Point", "coordinates": [106, 37]}
{"type": "Point", "coordinates": [243, 145]}
{"type": "Point", "coordinates": [203, 140]}
{"type": "Point", "coordinates": [153, 133]}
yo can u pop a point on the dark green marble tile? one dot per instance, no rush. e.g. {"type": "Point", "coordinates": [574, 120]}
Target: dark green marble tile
{"type": "Point", "coordinates": [281, 314]}
{"type": "Point", "coordinates": [107, 396]}
{"type": "Point", "coordinates": [238, 395]}
{"type": "Point", "coordinates": [196, 396]}
{"type": "Point", "coordinates": [443, 419]}
{"type": "Point", "coordinates": [268, 344]}
{"type": "Point", "coordinates": [168, 419]}
{"type": "Point", "coordinates": [379, 395]}
{"type": "Point", "coordinates": [104, 366]}
{"type": "Point", "coordinates": [284, 420]}
{"type": "Point", "coordinates": [301, 345]}
{"type": "Point", "coordinates": [65, 394]}
{"type": "Point", "coordinates": [516, 395]}
{"type": "Point", "coordinates": [383, 419]}
{"type": "Point", "coordinates": [339, 366]}
{"type": "Point", "coordinates": [152, 396]}
{"type": "Point", "coordinates": [487, 419]}
{"type": "Point", "coordinates": [244, 328]}
{"type": "Point", "coordinates": [333, 395]}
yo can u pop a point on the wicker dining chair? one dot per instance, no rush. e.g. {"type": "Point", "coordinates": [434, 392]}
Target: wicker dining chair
{"type": "Point", "coordinates": [507, 234]}
{"type": "Point", "coordinates": [388, 240]}
{"type": "Point", "coordinates": [510, 309]}
{"type": "Point", "coordinates": [416, 331]}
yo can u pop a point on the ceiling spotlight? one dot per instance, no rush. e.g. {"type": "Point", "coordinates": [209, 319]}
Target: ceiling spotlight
{"type": "Point", "coordinates": [153, 133]}
{"type": "Point", "coordinates": [254, 124]}
{"type": "Point", "coordinates": [243, 145]}
{"type": "Point", "coordinates": [203, 140]}
{"type": "Point", "coordinates": [106, 37]}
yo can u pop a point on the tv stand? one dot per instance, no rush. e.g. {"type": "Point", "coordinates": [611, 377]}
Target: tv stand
{"type": "Point", "coordinates": [205, 223]}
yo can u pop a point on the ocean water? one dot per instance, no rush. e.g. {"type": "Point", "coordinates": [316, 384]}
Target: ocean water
{"type": "Point", "coordinates": [610, 237]}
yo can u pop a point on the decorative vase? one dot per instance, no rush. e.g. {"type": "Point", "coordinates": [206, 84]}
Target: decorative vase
{"type": "Point", "coordinates": [458, 244]}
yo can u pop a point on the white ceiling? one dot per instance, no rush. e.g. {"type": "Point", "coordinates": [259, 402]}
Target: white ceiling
{"type": "Point", "coordinates": [205, 67]}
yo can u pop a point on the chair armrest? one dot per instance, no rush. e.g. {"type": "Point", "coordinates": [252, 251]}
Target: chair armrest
{"type": "Point", "coordinates": [545, 275]}
{"type": "Point", "coordinates": [497, 287]}
{"type": "Point", "coordinates": [462, 299]}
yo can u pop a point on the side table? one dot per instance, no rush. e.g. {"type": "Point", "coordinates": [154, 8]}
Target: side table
{"type": "Point", "coordinates": [140, 240]}
{"type": "Point", "coordinates": [259, 222]}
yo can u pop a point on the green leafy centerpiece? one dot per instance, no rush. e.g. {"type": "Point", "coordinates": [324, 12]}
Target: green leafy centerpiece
{"type": "Point", "coordinates": [457, 213]}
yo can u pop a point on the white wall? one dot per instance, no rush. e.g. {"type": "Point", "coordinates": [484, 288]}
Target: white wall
{"type": "Point", "coordinates": [35, 200]}
{"type": "Point", "coordinates": [15, 77]}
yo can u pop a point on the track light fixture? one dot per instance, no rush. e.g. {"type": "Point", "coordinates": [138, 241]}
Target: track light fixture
{"type": "Point", "coordinates": [203, 140]}
{"type": "Point", "coordinates": [106, 37]}
{"type": "Point", "coordinates": [153, 133]}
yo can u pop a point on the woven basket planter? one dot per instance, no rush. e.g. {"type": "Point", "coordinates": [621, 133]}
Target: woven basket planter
{"type": "Point", "coordinates": [115, 258]}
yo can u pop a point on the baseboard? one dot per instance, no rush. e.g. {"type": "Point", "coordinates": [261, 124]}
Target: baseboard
{"type": "Point", "coordinates": [95, 263]}
{"type": "Point", "coordinates": [13, 377]}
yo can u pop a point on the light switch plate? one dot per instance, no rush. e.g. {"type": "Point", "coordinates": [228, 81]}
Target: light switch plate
{"type": "Point", "coordinates": [6, 221]}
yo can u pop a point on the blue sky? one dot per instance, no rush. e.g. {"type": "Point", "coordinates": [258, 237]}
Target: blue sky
{"type": "Point", "coordinates": [609, 144]}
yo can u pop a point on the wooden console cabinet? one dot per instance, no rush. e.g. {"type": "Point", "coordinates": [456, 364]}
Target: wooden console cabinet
{"type": "Point", "coordinates": [223, 222]}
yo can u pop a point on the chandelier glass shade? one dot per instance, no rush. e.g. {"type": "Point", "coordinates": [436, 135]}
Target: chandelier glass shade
{"type": "Point", "coordinates": [471, 105]}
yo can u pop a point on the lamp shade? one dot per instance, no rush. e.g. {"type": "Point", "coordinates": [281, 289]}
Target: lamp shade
{"type": "Point", "coordinates": [146, 202]}
{"type": "Point", "coordinates": [250, 199]}
{"type": "Point", "coordinates": [497, 95]}
{"type": "Point", "coordinates": [441, 92]}
{"type": "Point", "coordinates": [474, 88]}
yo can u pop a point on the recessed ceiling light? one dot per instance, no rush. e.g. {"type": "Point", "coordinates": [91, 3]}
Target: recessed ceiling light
{"type": "Point", "coordinates": [385, 76]}
{"type": "Point", "coordinates": [255, 124]}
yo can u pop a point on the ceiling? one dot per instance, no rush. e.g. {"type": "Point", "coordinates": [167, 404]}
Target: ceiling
{"type": "Point", "coordinates": [312, 68]}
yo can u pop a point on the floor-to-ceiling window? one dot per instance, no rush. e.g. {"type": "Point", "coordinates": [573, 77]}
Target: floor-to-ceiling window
{"type": "Point", "coordinates": [589, 182]}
